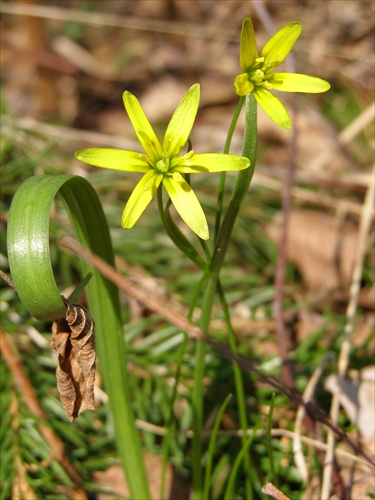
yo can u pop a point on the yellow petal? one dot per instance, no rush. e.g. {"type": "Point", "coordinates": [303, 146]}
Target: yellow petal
{"type": "Point", "coordinates": [182, 121]}
{"type": "Point", "coordinates": [279, 46]}
{"type": "Point", "coordinates": [142, 126]}
{"type": "Point", "coordinates": [187, 205]}
{"type": "Point", "coordinates": [116, 159]}
{"type": "Point", "coordinates": [212, 162]}
{"type": "Point", "coordinates": [273, 108]}
{"type": "Point", "coordinates": [248, 45]}
{"type": "Point", "coordinates": [295, 82]}
{"type": "Point", "coordinates": [141, 196]}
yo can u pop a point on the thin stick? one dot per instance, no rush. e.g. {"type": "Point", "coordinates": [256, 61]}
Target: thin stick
{"type": "Point", "coordinates": [314, 443]}
{"type": "Point", "coordinates": [68, 133]}
{"type": "Point", "coordinates": [301, 412]}
{"type": "Point", "coordinates": [7, 279]}
{"type": "Point", "coordinates": [357, 125]}
{"type": "Point", "coordinates": [114, 20]}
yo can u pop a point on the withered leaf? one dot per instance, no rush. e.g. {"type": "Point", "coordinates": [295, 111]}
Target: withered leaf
{"type": "Point", "coordinates": [73, 340]}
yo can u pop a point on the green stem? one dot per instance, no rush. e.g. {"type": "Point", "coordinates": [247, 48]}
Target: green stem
{"type": "Point", "coordinates": [30, 264]}
{"type": "Point", "coordinates": [233, 124]}
{"type": "Point", "coordinates": [224, 233]}
{"type": "Point", "coordinates": [219, 208]}
{"type": "Point", "coordinates": [242, 184]}
{"type": "Point", "coordinates": [197, 293]}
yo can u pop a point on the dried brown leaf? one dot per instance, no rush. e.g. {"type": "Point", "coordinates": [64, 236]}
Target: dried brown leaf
{"type": "Point", "coordinates": [321, 246]}
{"type": "Point", "coordinates": [73, 340]}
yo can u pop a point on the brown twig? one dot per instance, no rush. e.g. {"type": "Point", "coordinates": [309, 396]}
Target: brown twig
{"type": "Point", "coordinates": [8, 280]}
{"type": "Point", "coordinates": [184, 29]}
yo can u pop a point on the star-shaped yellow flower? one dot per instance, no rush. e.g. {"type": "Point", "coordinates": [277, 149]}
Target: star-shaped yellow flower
{"type": "Point", "coordinates": [162, 163]}
{"type": "Point", "coordinates": [258, 76]}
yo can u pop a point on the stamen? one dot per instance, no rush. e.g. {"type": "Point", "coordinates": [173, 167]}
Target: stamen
{"type": "Point", "coordinates": [266, 65]}
{"type": "Point", "coordinates": [177, 161]}
{"type": "Point", "coordinates": [267, 85]}
{"type": "Point", "coordinates": [257, 77]}
{"type": "Point", "coordinates": [163, 165]}
{"type": "Point", "coordinates": [189, 155]}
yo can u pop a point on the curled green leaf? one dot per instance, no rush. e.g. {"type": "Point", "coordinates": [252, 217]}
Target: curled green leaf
{"type": "Point", "coordinates": [30, 264]}
{"type": "Point", "coordinates": [28, 247]}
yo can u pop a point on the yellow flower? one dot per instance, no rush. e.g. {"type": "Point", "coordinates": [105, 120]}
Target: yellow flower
{"type": "Point", "coordinates": [161, 163]}
{"type": "Point", "coordinates": [258, 76]}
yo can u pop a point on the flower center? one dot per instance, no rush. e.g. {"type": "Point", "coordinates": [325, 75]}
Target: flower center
{"type": "Point", "coordinates": [257, 77]}
{"type": "Point", "coordinates": [258, 73]}
{"type": "Point", "coordinates": [163, 164]}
